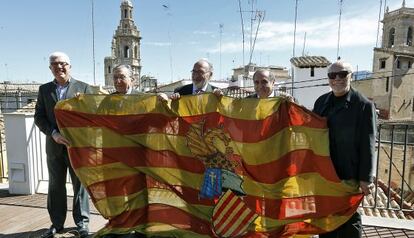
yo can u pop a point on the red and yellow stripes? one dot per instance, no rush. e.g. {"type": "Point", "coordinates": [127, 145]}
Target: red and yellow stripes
{"type": "Point", "coordinates": [131, 153]}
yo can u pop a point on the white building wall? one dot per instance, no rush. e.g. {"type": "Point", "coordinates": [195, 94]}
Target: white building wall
{"type": "Point", "coordinates": [307, 88]}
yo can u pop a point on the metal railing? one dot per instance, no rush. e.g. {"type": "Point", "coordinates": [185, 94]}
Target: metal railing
{"type": "Point", "coordinates": [393, 195]}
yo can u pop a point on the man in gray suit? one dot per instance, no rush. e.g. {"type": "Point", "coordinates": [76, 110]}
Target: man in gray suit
{"type": "Point", "coordinates": [62, 87]}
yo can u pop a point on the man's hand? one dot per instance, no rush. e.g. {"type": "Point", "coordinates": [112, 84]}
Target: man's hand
{"type": "Point", "coordinates": [218, 92]}
{"type": "Point", "coordinates": [365, 187]}
{"type": "Point", "coordinates": [162, 97]}
{"type": "Point", "coordinates": [175, 96]}
{"type": "Point", "coordinates": [60, 139]}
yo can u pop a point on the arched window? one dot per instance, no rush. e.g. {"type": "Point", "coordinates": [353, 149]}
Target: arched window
{"type": "Point", "coordinates": [391, 38]}
{"type": "Point", "coordinates": [125, 13]}
{"type": "Point", "coordinates": [126, 52]}
{"type": "Point", "coordinates": [409, 36]}
{"type": "Point", "coordinates": [109, 69]}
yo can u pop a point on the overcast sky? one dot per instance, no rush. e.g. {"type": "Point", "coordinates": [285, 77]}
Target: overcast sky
{"type": "Point", "coordinates": [180, 32]}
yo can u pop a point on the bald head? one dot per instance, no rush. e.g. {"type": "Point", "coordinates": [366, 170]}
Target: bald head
{"type": "Point", "coordinates": [201, 73]}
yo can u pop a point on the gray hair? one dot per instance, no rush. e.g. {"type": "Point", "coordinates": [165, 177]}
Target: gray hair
{"type": "Point", "coordinates": [128, 68]}
{"type": "Point", "coordinates": [340, 64]}
{"type": "Point", "coordinates": [272, 76]}
{"type": "Point", "coordinates": [210, 65]}
{"type": "Point", "coordinates": [58, 54]}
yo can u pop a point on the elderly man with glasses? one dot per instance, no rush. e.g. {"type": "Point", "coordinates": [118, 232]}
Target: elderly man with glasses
{"type": "Point", "coordinates": [351, 121]}
{"type": "Point", "coordinates": [200, 75]}
{"type": "Point", "coordinates": [62, 87]}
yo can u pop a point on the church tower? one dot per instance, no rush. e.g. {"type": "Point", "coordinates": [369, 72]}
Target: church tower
{"type": "Point", "coordinates": [126, 45]}
{"type": "Point", "coordinates": [393, 63]}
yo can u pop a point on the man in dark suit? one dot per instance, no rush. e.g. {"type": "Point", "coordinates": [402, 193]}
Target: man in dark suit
{"type": "Point", "coordinates": [351, 122]}
{"type": "Point", "coordinates": [200, 75]}
{"type": "Point", "coordinates": [62, 87]}
{"type": "Point", "coordinates": [264, 83]}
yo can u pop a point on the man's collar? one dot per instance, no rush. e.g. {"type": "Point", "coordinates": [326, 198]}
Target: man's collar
{"type": "Point", "coordinates": [271, 95]}
{"type": "Point", "coordinates": [203, 89]}
{"type": "Point", "coordinates": [57, 83]}
{"type": "Point", "coordinates": [347, 98]}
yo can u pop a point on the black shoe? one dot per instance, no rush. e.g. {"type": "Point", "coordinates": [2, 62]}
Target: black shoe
{"type": "Point", "coordinates": [50, 233]}
{"type": "Point", "coordinates": [83, 232]}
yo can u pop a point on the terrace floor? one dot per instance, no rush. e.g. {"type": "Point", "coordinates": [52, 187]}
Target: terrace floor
{"type": "Point", "coordinates": [25, 216]}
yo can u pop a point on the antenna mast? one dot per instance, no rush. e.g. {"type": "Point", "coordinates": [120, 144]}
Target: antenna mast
{"type": "Point", "coordinates": [294, 30]}
{"type": "Point", "coordinates": [339, 28]}
{"type": "Point", "coordinates": [242, 26]}
{"type": "Point", "coordinates": [379, 20]}
{"type": "Point", "coordinates": [221, 33]}
{"type": "Point", "coordinates": [93, 45]}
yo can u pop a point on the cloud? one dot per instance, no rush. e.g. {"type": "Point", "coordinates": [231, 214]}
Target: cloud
{"type": "Point", "coordinates": [357, 29]}
{"type": "Point", "coordinates": [203, 32]}
{"type": "Point", "coordinates": [157, 43]}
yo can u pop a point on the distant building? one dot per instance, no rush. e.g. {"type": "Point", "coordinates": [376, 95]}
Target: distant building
{"type": "Point", "coordinates": [392, 84]}
{"type": "Point", "coordinates": [126, 46]}
{"type": "Point", "coordinates": [243, 76]}
{"type": "Point", "coordinates": [310, 78]}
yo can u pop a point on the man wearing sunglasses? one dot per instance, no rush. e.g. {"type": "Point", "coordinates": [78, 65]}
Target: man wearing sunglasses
{"type": "Point", "coordinates": [351, 122]}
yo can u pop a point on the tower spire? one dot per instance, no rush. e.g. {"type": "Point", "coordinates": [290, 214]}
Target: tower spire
{"type": "Point", "coordinates": [403, 3]}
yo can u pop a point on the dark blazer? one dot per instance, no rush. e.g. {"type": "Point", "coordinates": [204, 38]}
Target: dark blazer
{"type": "Point", "coordinates": [133, 91]}
{"type": "Point", "coordinates": [44, 112]}
{"type": "Point", "coordinates": [352, 128]}
{"type": "Point", "coordinates": [188, 89]}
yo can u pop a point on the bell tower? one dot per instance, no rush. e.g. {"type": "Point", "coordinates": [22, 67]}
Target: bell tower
{"type": "Point", "coordinates": [126, 45]}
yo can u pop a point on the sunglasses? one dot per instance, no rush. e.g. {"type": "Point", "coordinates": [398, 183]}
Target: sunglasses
{"type": "Point", "coordinates": [340, 74]}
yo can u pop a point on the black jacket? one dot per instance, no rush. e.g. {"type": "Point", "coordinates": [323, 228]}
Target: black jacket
{"type": "Point", "coordinates": [188, 89]}
{"type": "Point", "coordinates": [352, 128]}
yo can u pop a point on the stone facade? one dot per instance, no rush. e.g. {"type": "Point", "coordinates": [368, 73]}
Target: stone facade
{"type": "Point", "coordinates": [126, 46]}
{"type": "Point", "coordinates": [392, 84]}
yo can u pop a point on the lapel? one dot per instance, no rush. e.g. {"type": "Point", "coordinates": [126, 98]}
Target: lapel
{"type": "Point", "coordinates": [52, 91]}
{"type": "Point", "coordinates": [72, 89]}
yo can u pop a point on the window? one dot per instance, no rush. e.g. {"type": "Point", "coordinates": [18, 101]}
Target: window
{"type": "Point", "coordinates": [391, 38]}
{"type": "Point", "coordinates": [126, 52]}
{"type": "Point", "coordinates": [312, 71]}
{"type": "Point", "coordinates": [125, 13]}
{"type": "Point", "coordinates": [409, 64]}
{"type": "Point", "coordinates": [382, 63]}
{"type": "Point", "coordinates": [409, 36]}
{"type": "Point", "coordinates": [109, 69]}
{"type": "Point", "coordinates": [398, 64]}
{"type": "Point", "coordinates": [387, 86]}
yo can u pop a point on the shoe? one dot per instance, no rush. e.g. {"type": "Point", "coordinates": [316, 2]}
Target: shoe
{"type": "Point", "coordinates": [50, 233]}
{"type": "Point", "coordinates": [83, 232]}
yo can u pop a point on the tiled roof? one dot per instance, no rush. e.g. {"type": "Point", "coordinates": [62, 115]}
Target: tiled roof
{"type": "Point", "coordinates": [391, 210]}
{"type": "Point", "coordinates": [310, 61]}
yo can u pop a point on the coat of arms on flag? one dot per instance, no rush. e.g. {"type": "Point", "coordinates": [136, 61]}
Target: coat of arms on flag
{"type": "Point", "coordinates": [231, 216]}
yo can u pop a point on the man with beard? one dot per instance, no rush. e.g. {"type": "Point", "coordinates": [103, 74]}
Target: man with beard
{"type": "Point", "coordinates": [351, 122]}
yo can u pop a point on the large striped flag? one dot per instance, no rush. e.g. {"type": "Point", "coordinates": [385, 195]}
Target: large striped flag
{"type": "Point", "coordinates": [150, 166]}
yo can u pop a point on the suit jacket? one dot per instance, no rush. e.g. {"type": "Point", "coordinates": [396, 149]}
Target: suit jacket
{"type": "Point", "coordinates": [352, 127]}
{"type": "Point", "coordinates": [188, 89]}
{"type": "Point", "coordinates": [44, 111]}
{"type": "Point", "coordinates": [133, 92]}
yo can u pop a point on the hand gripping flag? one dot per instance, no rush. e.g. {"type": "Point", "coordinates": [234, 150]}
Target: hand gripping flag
{"type": "Point", "coordinates": [144, 164]}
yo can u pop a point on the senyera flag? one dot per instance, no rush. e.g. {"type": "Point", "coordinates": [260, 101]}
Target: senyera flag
{"type": "Point", "coordinates": [204, 166]}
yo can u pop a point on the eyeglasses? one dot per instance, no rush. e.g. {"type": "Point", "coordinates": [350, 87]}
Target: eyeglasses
{"type": "Point", "coordinates": [340, 74]}
{"type": "Point", "coordinates": [120, 77]}
{"type": "Point", "coordinates": [63, 64]}
{"type": "Point", "coordinates": [199, 72]}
